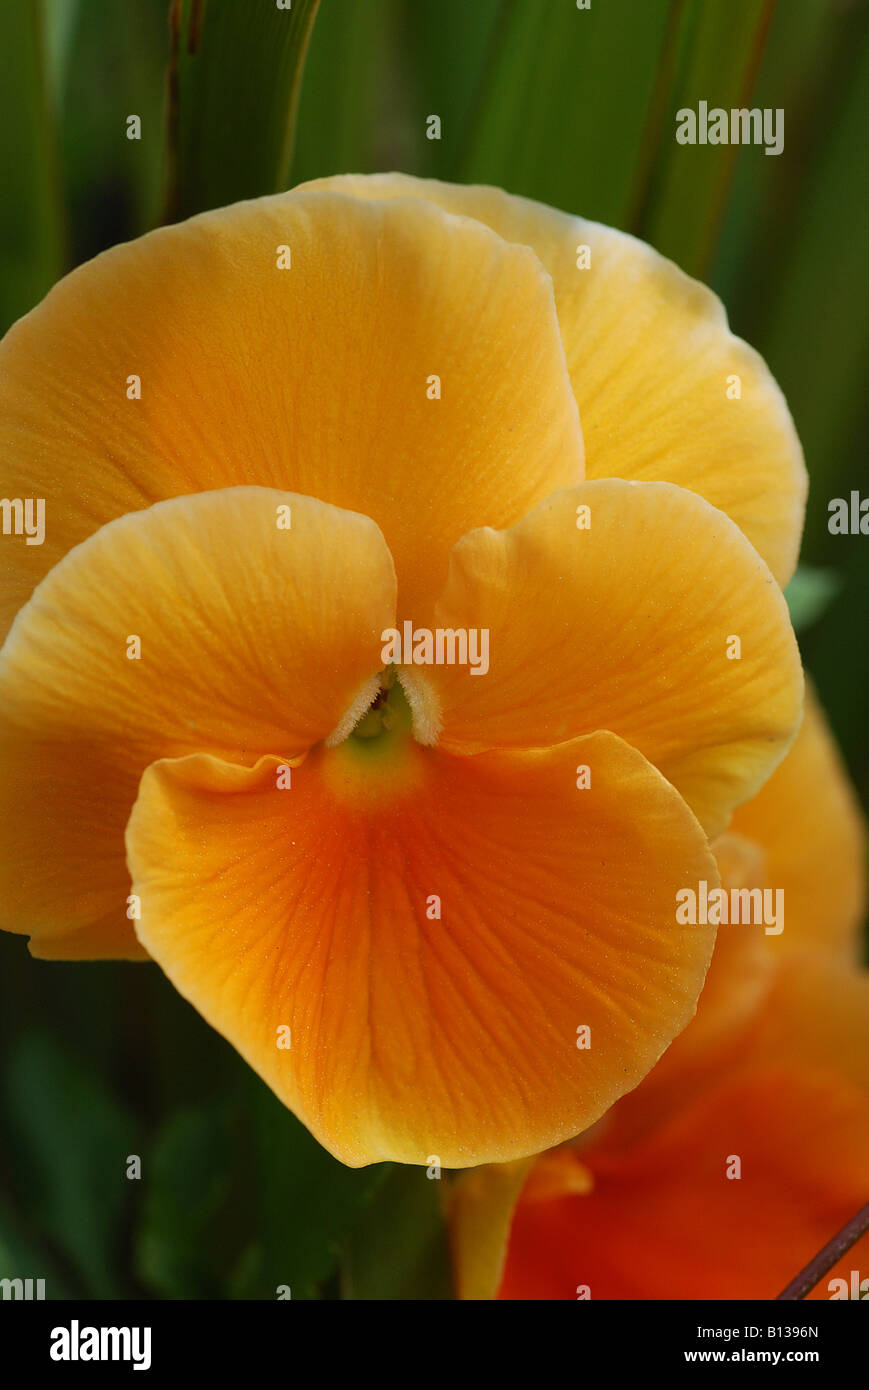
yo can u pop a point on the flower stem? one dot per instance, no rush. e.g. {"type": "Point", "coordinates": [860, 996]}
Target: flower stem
{"type": "Point", "coordinates": [833, 1251]}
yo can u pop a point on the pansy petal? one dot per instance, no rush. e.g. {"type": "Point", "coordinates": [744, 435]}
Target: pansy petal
{"type": "Point", "coordinates": [738, 987]}
{"type": "Point", "coordinates": [817, 1014]}
{"type": "Point", "coordinates": [743, 965]}
{"type": "Point", "coordinates": [809, 824]}
{"type": "Point", "coordinates": [670, 1219]}
{"type": "Point", "coordinates": [318, 377]}
{"type": "Point", "coordinates": [808, 841]}
{"type": "Point", "coordinates": [434, 934]}
{"type": "Point", "coordinates": [239, 622]}
{"type": "Point", "coordinates": [63, 878]}
{"type": "Point", "coordinates": [801, 1009]}
{"type": "Point", "coordinates": [657, 620]}
{"type": "Point", "coordinates": [652, 363]}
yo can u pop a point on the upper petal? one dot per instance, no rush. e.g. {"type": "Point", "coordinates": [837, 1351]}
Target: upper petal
{"type": "Point", "coordinates": [431, 933]}
{"type": "Point", "coordinates": [314, 378]}
{"type": "Point", "coordinates": [652, 363]}
{"type": "Point", "coordinates": [657, 621]}
{"type": "Point", "coordinates": [202, 623]}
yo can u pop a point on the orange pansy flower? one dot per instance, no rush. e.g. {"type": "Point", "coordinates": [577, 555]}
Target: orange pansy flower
{"type": "Point", "coordinates": [267, 438]}
{"type": "Point", "coordinates": [747, 1147]}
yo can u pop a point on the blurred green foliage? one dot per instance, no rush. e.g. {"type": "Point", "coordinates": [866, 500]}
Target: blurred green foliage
{"type": "Point", "coordinates": [102, 1062]}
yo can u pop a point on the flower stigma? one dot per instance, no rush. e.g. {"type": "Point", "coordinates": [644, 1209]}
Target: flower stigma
{"type": "Point", "coordinates": [389, 716]}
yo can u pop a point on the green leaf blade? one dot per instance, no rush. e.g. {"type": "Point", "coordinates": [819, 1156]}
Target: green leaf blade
{"type": "Point", "coordinates": [718, 58]}
{"type": "Point", "coordinates": [234, 82]}
{"type": "Point", "coordinates": [562, 112]}
{"type": "Point", "coordinates": [31, 211]}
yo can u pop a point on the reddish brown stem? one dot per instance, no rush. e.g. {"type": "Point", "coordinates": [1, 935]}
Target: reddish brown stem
{"type": "Point", "coordinates": [826, 1258]}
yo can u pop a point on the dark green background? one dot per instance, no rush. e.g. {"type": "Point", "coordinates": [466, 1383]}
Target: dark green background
{"type": "Point", "coordinates": [576, 108]}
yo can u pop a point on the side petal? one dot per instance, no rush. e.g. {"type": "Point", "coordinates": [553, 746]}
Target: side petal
{"type": "Point", "coordinates": [435, 936]}
{"type": "Point", "coordinates": [665, 1221]}
{"type": "Point", "coordinates": [198, 624]}
{"type": "Point", "coordinates": [656, 620]}
{"type": "Point", "coordinates": [315, 378]}
{"type": "Point", "coordinates": [652, 362]}
{"type": "Point", "coordinates": [808, 821]}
